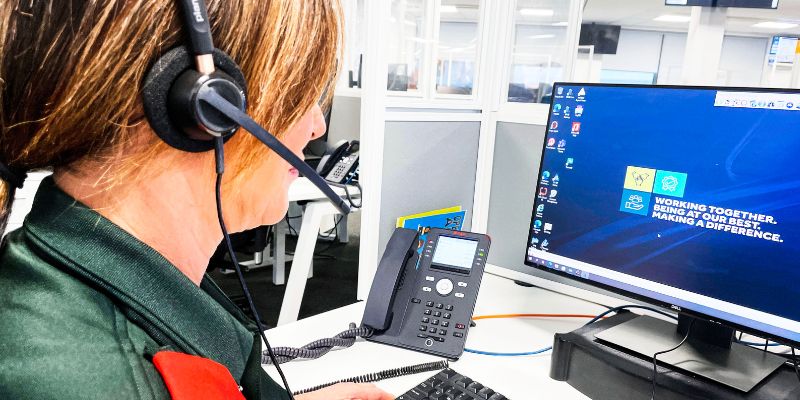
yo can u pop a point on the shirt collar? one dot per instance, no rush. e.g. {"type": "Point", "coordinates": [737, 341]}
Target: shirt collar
{"type": "Point", "coordinates": [149, 289]}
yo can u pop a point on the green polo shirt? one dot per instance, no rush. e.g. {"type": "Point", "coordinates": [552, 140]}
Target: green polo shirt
{"type": "Point", "coordinates": [84, 306]}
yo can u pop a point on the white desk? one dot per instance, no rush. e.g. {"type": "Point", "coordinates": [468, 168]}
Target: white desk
{"type": "Point", "coordinates": [300, 190]}
{"type": "Point", "coordinates": [525, 377]}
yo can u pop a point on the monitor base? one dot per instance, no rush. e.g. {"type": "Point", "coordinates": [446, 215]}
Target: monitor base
{"type": "Point", "coordinates": [606, 372]}
{"type": "Point", "coordinates": [740, 367]}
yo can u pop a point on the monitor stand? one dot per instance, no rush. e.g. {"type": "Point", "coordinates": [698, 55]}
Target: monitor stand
{"type": "Point", "coordinates": [709, 351]}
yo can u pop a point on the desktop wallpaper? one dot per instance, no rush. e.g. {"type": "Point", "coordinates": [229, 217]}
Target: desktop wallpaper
{"type": "Point", "coordinates": [692, 188]}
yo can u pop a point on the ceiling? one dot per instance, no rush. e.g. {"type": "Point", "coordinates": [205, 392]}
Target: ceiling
{"type": "Point", "coordinates": [639, 14]}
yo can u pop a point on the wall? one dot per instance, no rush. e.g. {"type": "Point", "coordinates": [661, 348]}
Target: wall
{"type": "Point", "coordinates": [345, 119]}
{"type": "Point", "coordinates": [427, 166]}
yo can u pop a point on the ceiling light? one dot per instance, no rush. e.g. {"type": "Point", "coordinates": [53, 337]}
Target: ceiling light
{"type": "Point", "coordinates": [541, 36]}
{"type": "Point", "coordinates": [537, 12]}
{"type": "Point", "coordinates": [448, 9]}
{"type": "Point", "coordinates": [565, 23]}
{"type": "Point", "coordinates": [776, 25]}
{"type": "Point", "coordinates": [673, 18]}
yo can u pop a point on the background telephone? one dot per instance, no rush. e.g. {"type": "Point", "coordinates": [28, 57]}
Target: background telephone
{"type": "Point", "coordinates": [339, 161]}
{"type": "Point", "coordinates": [427, 306]}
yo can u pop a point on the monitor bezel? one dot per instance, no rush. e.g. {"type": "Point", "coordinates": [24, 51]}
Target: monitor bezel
{"type": "Point", "coordinates": [591, 284]}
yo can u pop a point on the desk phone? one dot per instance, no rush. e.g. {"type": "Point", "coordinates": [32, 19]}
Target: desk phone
{"type": "Point", "coordinates": [425, 302]}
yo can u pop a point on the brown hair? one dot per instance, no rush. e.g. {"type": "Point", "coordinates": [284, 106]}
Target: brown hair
{"type": "Point", "coordinates": [72, 73]}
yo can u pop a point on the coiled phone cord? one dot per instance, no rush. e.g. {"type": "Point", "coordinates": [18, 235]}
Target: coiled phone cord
{"type": "Point", "coordinates": [317, 348]}
{"type": "Point", "coordinates": [386, 374]}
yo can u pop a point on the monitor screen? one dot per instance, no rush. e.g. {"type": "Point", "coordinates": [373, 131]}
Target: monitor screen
{"type": "Point", "coordinates": [604, 38]}
{"type": "Point", "coordinates": [685, 197]}
{"type": "Point", "coordinates": [454, 252]}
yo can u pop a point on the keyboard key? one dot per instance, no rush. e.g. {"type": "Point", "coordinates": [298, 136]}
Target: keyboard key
{"type": "Point", "coordinates": [462, 396]}
{"type": "Point", "coordinates": [437, 338]}
{"type": "Point", "coordinates": [445, 324]}
{"type": "Point", "coordinates": [447, 315]}
{"type": "Point", "coordinates": [474, 387]}
{"type": "Point", "coordinates": [442, 396]}
{"type": "Point", "coordinates": [415, 394]}
{"type": "Point", "coordinates": [498, 396]}
{"type": "Point", "coordinates": [426, 320]}
{"type": "Point", "coordinates": [463, 382]}
{"type": "Point", "coordinates": [427, 312]}
{"type": "Point", "coordinates": [449, 373]}
{"type": "Point", "coordinates": [432, 330]}
{"type": "Point", "coordinates": [423, 328]}
{"type": "Point", "coordinates": [425, 389]}
{"type": "Point", "coordinates": [429, 304]}
{"type": "Point", "coordinates": [434, 382]}
{"type": "Point", "coordinates": [485, 393]}
{"type": "Point", "coordinates": [439, 305]}
{"type": "Point", "coordinates": [422, 335]}
{"type": "Point", "coordinates": [443, 331]}
{"type": "Point", "coordinates": [448, 307]}
{"type": "Point", "coordinates": [458, 334]}
{"type": "Point", "coordinates": [435, 322]}
{"type": "Point", "coordinates": [437, 313]}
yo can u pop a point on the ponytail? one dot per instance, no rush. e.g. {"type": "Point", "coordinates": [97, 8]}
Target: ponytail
{"type": "Point", "coordinates": [7, 191]}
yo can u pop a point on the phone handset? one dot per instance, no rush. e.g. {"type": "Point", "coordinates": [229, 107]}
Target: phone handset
{"type": "Point", "coordinates": [401, 251]}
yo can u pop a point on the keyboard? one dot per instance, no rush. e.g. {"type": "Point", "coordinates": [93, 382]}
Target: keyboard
{"type": "Point", "coordinates": [450, 385]}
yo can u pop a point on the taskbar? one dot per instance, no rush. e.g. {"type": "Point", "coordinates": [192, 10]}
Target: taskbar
{"type": "Point", "coordinates": [559, 267]}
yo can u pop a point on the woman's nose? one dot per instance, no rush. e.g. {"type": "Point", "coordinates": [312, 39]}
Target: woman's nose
{"type": "Point", "coordinates": [319, 126]}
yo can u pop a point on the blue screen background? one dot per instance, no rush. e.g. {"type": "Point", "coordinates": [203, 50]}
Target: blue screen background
{"type": "Point", "coordinates": [739, 158]}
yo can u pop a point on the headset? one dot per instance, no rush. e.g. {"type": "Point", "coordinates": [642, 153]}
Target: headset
{"type": "Point", "coordinates": [197, 104]}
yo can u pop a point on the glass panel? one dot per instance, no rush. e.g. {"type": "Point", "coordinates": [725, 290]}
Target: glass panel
{"type": "Point", "coordinates": [540, 49]}
{"type": "Point", "coordinates": [407, 44]}
{"type": "Point", "coordinates": [354, 25]}
{"type": "Point", "coordinates": [456, 52]}
{"type": "Point", "coordinates": [652, 39]}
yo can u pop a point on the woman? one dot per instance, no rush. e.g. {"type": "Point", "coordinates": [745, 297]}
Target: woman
{"type": "Point", "coordinates": [107, 273]}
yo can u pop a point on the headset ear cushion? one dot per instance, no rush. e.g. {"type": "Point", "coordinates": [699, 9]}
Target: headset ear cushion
{"type": "Point", "coordinates": [156, 90]}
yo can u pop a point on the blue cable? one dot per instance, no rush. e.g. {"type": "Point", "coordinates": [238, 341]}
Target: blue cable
{"type": "Point", "coordinates": [508, 354]}
{"type": "Point", "coordinates": [354, 174]}
{"type": "Point", "coordinates": [588, 323]}
{"type": "Point", "coordinates": [757, 344]}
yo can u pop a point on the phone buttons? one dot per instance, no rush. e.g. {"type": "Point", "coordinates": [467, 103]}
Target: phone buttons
{"type": "Point", "coordinates": [429, 304]}
{"type": "Point", "coordinates": [444, 286]}
{"type": "Point", "coordinates": [462, 284]}
{"type": "Point", "coordinates": [429, 278]}
{"type": "Point", "coordinates": [460, 295]}
{"type": "Point", "coordinates": [415, 300]}
{"type": "Point", "coordinates": [429, 342]}
{"type": "Point", "coordinates": [426, 289]}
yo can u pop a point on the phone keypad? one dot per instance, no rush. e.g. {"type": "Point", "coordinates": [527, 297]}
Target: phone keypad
{"type": "Point", "coordinates": [433, 328]}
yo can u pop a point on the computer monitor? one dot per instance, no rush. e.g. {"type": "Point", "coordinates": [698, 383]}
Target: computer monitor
{"type": "Point", "coordinates": [684, 197]}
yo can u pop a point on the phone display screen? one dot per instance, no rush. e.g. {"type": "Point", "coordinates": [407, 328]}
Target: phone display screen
{"type": "Point", "coordinates": [455, 252]}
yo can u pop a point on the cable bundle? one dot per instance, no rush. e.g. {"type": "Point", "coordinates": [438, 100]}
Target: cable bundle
{"type": "Point", "coordinates": [387, 374]}
{"type": "Point", "coordinates": [317, 348]}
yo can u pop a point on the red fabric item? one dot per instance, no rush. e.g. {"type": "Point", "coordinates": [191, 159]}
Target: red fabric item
{"type": "Point", "coordinates": [192, 377]}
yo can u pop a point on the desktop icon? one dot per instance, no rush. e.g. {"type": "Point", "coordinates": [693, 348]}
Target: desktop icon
{"type": "Point", "coordinates": [546, 175]}
{"type": "Point", "coordinates": [562, 143]}
{"type": "Point", "coordinates": [548, 227]}
{"type": "Point", "coordinates": [578, 110]}
{"type": "Point", "coordinates": [635, 202]}
{"type": "Point", "coordinates": [569, 163]}
{"type": "Point", "coordinates": [557, 108]}
{"type": "Point", "coordinates": [727, 102]}
{"type": "Point", "coordinates": [576, 127]}
{"type": "Point", "coordinates": [762, 103]}
{"type": "Point", "coordinates": [566, 110]}
{"type": "Point", "coordinates": [560, 90]}
{"type": "Point", "coordinates": [555, 180]}
{"type": "Point", "coordinates": [537, 224]}
{"type": "Point", "coordinates": [554, 125]}
{"type": "Point", "coordinates": [543, 191]}
{"type": "Point", "coordinates": [569, 92]}
{"type": "Point", "coordinates": [534, 240]}
{"type": "Point", "coordinates": [545, 243]}
{"type": "Point", "coordinates": [753, 103]}
{"type": "Point", "coordinates": [669, 183]}
{"type": "Point", "coordinates": [771, 104]}
{"type": "Point", "coordinates": [582, 92]}
{"type": "Point", "coordinates": [540, 208]}
{"type": "Point", "coordinates": [551, 142]}
{"type": "Point", "coordinates": [553, 193]}
{"type": "Point", "coordinates": [781, 104]}
{"type": "Point", "coordinates": [789, 105]}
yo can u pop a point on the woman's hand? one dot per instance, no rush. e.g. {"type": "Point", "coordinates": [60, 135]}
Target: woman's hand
{"type": "Point", "coordinates": [347, 391]}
